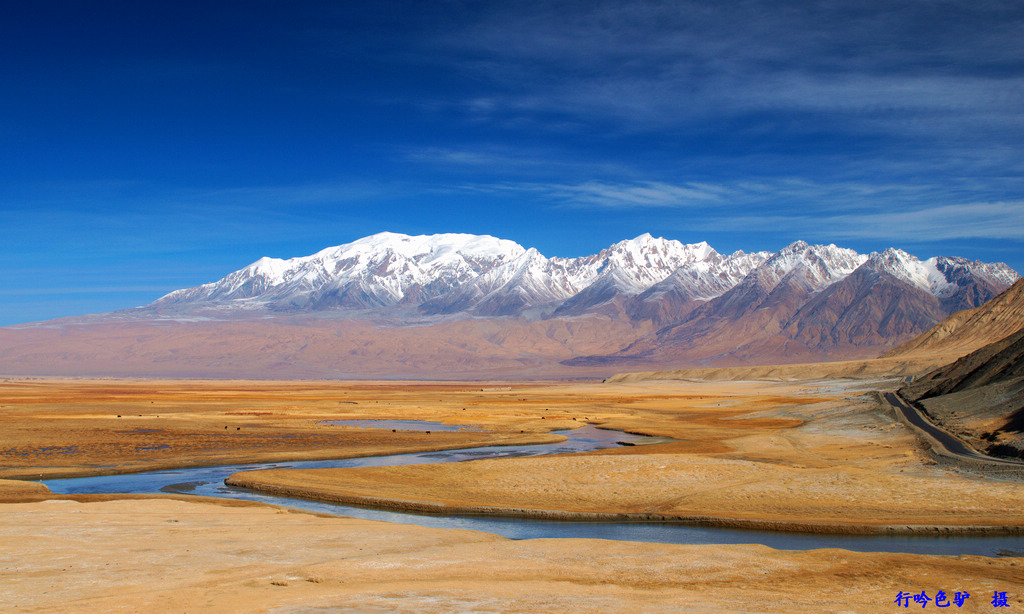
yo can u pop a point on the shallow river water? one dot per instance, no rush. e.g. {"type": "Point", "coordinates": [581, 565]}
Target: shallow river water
{"type": "Point", "coordinates": [209, 481]}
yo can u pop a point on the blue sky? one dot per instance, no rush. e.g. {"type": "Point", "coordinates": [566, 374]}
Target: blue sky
{"type": "Point", "coordinates": [149, 146]}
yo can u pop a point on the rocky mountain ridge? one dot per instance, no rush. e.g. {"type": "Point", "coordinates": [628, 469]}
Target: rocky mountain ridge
{"type": "Point", "coordinates": [453, 273]}
{"type": "Point", "coordinates": [484, 276]}
{"type": "Point", "coordinates": [467, 307]}
{"type": "Point", "coordinates": [811, 303]}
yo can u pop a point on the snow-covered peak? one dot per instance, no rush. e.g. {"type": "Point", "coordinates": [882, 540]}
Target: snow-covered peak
{"type": "Point", "coordinates": [909, 269]}
{"type": "Point", "coordinates": [271, 269]}
{"type": "Point", "coordinates": [939, 276]}
{"type": "Point", "coordinates": [639, 263]}
{"type": "Point", "coordinates": [812, 266]}
{"type": "Point", "coordinates": [649, 248]}
{"type": "Point", "coordinates": [382, 268]}
{"type": "Point", "coordinates": [710, 276]}
{"type": "Point", "coordinates": [436, 246]}
{"type": "Point", "coordinates": [742, 260]}
{"type": "Point", "coordinates": [484, 275]}
{"type": "Point", "coordinates": [957, 270]}
{"type": "Point", "coordinates": [427, 252]}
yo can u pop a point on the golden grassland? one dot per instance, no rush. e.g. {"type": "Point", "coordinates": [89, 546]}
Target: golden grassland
{"type": "Point", "coordinates": [810, 452]}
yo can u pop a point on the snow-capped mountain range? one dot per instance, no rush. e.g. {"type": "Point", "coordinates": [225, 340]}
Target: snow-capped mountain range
{"type": "Point", "coordinates": [462, 306]}
{"type": "Point", "coordinates": [474, 275]}
{"type": "Point", "coordinates": [452, 273]}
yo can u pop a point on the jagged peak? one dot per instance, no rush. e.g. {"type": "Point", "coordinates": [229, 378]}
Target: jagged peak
{"type": "Point", "coordinates": [894, 254]}
{"type": "Point", "coordinates": [796, 246]}
{"type": "Point", "coordinates": [802, 253]}
{"type": "Point", "coordinates": [390, 267]}
{"type": "Point", "coordinates": [938, 275]}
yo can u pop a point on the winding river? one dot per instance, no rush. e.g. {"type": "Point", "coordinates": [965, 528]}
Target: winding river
{"type": "Point", "coordinates": [209, 481]}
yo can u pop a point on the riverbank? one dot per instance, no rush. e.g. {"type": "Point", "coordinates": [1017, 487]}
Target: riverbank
{"type": "Point", "coordinates": [805, 456]}
{"type": "Point", "coordinates": [682, 489]}
{"type": "Point", "coordinates": [168, 555]}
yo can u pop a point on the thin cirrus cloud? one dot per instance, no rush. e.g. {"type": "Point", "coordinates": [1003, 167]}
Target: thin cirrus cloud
{"type": "Point", "coordinates": [780, 194]}
{"type": "Point", "coordinates": [913, 69]}
{"type": "Point", "coordinates": [848, 210]}
{"type": "Point", "coordinates": [999, 220]}
{"type": "Point", "coordinates": [993, 221]}
{"type": "Point", "coordinates": [599, 194]}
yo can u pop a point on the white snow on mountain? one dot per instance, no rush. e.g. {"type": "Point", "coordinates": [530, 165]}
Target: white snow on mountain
{"type": "Point", "coordinates": [629, 268]}
{"type": "Point", "coordinates": [528, 280]}
{"type": "Point", "coordinates": [708, 278]}
{"type": "Point", "coordinates": [813, 267]}
{"type": "Point", "coordinates": [487, 276]}
{"type": "Point", "coordinates": [938, 276]}
{"type": "Point", "coordinates": [377, 270]}
{"type": "Point", "coordinates": [639, 263]}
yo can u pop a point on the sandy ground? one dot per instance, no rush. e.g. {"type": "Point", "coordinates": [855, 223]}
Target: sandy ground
{"type": "Point", "coordinates": [772, 443]}
{"type": "Point", "coordinates": [175, 556]}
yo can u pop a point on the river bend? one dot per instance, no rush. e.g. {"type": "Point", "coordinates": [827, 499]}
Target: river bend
{"type": "Point", "coordinates": [209, 481]}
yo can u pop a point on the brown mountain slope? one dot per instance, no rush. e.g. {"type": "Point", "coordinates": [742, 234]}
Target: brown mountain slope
{"type": "Point", "coordinates": [980, 396]}
{"type": "Point", "coordinates": [968, 330]}
{"type": "Point", "coordinates": [861, 307]}
{"type": "Point", "coordinates": [806, 304]}
{"type": "Point", "coordinates": [759, 324]}
{"type": "Point", "coordinates": [993, 364]}
{"type": "Point", "coordinates": [868, 308]}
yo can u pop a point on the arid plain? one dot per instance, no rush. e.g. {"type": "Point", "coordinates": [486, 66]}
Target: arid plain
{"type": "Point", "coordinates": [821, 455]}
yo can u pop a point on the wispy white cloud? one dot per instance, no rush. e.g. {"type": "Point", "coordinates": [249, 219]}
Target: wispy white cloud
{"type": "Point", "coordinates": [646, 194]}
{"type": "Point", "coordinates": [461, 157]}
{"type": "Point", "coordinates": [800, 195]}
{"type": "Point", "coordinates": [512, 161]}
{"type": "Point", "coordinates": [999, 220]}
{"type": "Point", "coordinates": [916, 70]}
{"type": "Point", "coordinates": [840, 210]}
{"type": "Point", "coordinates": [608, 195]}
{"type": "Point", "coordinates": [990, 220]}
